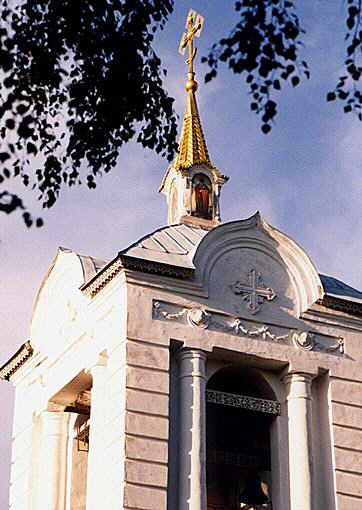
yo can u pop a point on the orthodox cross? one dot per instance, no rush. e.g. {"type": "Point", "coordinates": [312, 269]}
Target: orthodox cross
{"type": "Point", "coordinates": [194, 23]}
{"type": "Point", "coordinates": [254, 292]}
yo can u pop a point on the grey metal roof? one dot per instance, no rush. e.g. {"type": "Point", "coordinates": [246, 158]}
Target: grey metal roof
{"type": "Point", "coordinates": [174, 245]}
{"type": "Point", "coordinates": [336, 288]}
{"type": "Point", "coordinates": [91, 266]}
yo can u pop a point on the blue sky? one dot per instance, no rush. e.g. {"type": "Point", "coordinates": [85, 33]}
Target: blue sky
{"type": "Point", "coordinates": [305, 178]}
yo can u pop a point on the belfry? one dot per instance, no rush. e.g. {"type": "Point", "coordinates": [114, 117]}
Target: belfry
{"type": "Point", "coordinates": [192, 184]}
{"type": "Point", "coordinates": [207, 366]}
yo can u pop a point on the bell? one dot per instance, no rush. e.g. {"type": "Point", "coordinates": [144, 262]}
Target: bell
{"type": "Point", "coordinates": [253, 493]}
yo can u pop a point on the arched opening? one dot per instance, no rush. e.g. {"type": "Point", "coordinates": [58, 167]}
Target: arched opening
{"type": "Point", "coordinates": [240, 409]}
{"type": "Point", "coordinates": [201, 196]}
{"type": "Point", "coordinates": [173, 208]}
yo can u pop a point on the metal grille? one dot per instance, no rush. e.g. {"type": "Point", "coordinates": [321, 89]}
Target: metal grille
{"type": "Point", "coordinates": [250, 403]}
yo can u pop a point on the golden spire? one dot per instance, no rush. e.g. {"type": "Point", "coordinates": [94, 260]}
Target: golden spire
{"type": "Point", "coordinates": [192, 145]}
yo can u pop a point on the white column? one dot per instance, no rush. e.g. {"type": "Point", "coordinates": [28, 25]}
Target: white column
{"type": "Point", "coordinates": [299, 401]}
{"type": "Point", "coordinates": [96, 468]}
{"type": "Point", "coordinates": [217, 202]}
{"type": "Point", "coordinates": [50, 483]}
{"type": "Point", "coordinates": [192, 433]}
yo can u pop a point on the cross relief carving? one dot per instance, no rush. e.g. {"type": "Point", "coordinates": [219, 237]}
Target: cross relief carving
{"type": "Point", "coordinates": [254, 292]}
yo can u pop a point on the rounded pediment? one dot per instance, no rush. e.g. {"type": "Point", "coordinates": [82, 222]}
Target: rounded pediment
{"type": "Point", "coordinates": [251, 269]}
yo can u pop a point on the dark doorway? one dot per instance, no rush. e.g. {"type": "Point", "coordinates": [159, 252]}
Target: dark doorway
{"type": "Point", "coordinates": [238, 441]}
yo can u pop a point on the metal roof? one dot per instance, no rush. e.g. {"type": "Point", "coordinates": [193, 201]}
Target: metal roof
{"type": "Point", "coordinates": [90, 266]}
{"type": "Point", "coordinates": [174, 245]}
{"type": "Point", "coordinates": [192, 149]}
{"type": "Point", "coordinates": [336, 288]}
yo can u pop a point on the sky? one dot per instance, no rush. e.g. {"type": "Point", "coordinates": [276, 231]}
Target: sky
{"type": "Point", "coordinates": [305, 178]}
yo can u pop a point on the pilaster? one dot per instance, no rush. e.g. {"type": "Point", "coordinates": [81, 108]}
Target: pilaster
{"type": "Point", "coordinates": [95, 472]}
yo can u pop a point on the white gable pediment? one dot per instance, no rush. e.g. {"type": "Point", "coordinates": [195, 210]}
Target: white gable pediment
{"type": "Point", "coordinates": [250, 269]}
{"type": "Point", "coordinates": [60, 306]}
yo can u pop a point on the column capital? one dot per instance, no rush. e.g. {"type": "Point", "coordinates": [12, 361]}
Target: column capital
{"type": "Point", "coordinates": [298, 384]}
{"type": "Point", "coordinates": [192, 363]}
{"type": "Point", "coordinates": [55, 407]}
{"type": "Point", "coordinates": [298, 376]}
{"type": "Point", "coordinates": [55, 421]}
{"type": "Point", "coordinates": [99, 361]}
{"type": "Point", "coordinates": [191, 353]}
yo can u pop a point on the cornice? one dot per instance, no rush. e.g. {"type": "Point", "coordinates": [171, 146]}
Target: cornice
{"type": "Point", "coordinates": [100, 280]}
{"type": "Point", "coordinates": [342, 305]}
{"type": "Point", "coordinates": [323, 315]}
{"type": "Point", "coordinates": [16, 361]}
{"type": "Point", "coordinates": [144, 266]}
{"type": "Point", "coordinates": [159, 268]}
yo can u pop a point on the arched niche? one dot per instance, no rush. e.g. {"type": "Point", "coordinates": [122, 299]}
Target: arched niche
{"type": "Point", "coordinates": [243, 457]}
{"type": "Point", "coordinates": [201, 196]}
{"type": "Point", "coordinates": [173, 205]}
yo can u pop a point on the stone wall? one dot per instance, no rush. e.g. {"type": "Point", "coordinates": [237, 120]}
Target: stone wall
{"type": "Point", "coordinates": [346, 396]}
{"type": "Point", "coordinates": [147, 404]}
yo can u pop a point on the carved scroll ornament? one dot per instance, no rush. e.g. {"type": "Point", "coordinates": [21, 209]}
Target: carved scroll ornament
{"type": "Point", "coordinates": [199, 317]}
